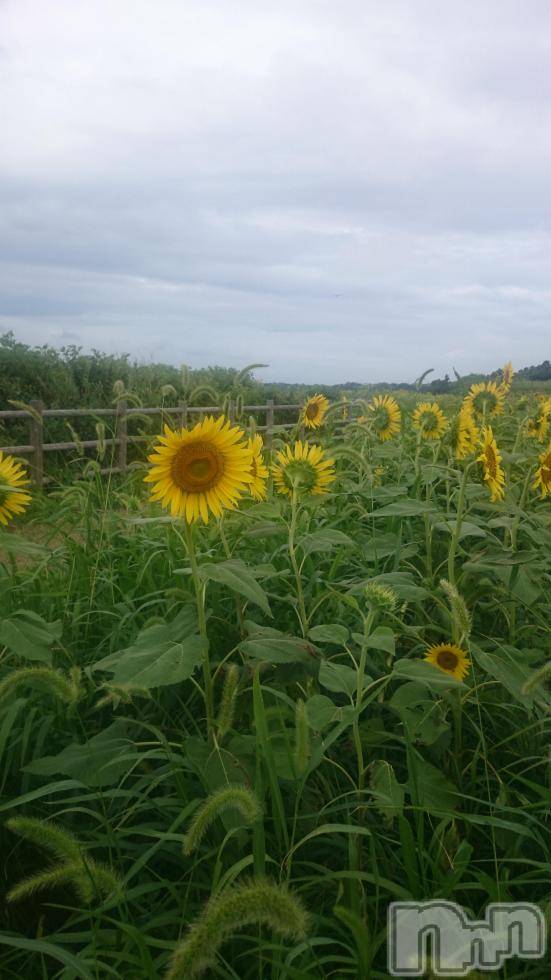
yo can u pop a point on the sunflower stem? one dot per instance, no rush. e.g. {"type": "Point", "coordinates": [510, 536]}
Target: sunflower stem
{"type": "Point", "coordinates": [513, 541]}
{"type": "Point", "coordinates": [428, 534]}
{"type": "Point", "coordinates": [292, 555]}
{"type": "Point", "coordinates": [417, 464]}
{"type": "Point", "coordinates": [357, 895]}
{"type": "Point", "coordinates": [458, 523]}
{"type": "Point", "coordinates": [228, 554]}
{"type": "Point", "coordinates": [368, 624]}
{"type": "Point", "coordinates": [457, 707]}
{"type": "Point", "coordinates": [202, 620]}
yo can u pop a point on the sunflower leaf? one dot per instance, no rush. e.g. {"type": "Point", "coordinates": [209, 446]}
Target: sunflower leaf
{"type": "Point", "coordinates": [266, 643]}
{"type": "Point", "coordinates": [425, 673]}
{"type": "Point", "coordinates": [164, 653]}
{"type": "Point", "coordinates": [329, 633]}
{"type": "Point", "coordinates": [386, 790]}
{"type": "Point", "coordinates": [325, 540]}
{"type": "Point", "coordinates": [405, 508]}
{"type": "Point", "coordinates": [101, 761]}
{"type": "Point", "coordinates": [236, 576]}
{"type": "Point", "coordinates": [28, 635]}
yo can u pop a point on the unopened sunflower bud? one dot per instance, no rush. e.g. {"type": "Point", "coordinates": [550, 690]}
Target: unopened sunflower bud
{"type": "Point", "coordinates": [380, 597]}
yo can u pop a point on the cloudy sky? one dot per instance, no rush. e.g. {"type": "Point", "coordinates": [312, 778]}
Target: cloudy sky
{"type": "Point", "coordinates": [350, 190]}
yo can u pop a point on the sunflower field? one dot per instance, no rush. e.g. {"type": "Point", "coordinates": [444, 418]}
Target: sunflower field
{"type": "Point", "coordinates": [251, 694]}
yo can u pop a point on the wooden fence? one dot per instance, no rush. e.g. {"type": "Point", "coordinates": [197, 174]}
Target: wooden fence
{"type": "Point", "coordinates": [36, 446]}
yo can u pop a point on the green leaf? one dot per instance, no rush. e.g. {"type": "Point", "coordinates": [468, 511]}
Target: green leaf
{"type": "Point", "coordinates": [419, 712]}
{"type": "Point", "coordinates": [100, 761]}
{"type": "Point", "coordinates": [388, 793]}
{"type": "Point", "coordinates": [499, 558]}
{"type": "Point", "coordinates": [506, 665]}
{"type": "Point", "coordinates": [339, 678]}
{"type": "Point", "coordinates": [325, 540]}
{"type": "Point", "coordinates": [265, 529]}
{"type": "Point", "coordinates": [330, 633]}
{"type": "Point", "coordinates": [523, 586]}
{"type": "Point", "coordinates": [382, 638]}
{"type": "Point", "coordinates": [269, 510]}
{"type": "Point", "coordinates": [236, 576]}
{"type": "Point", "coordinates": [430, 789]}
{"type": "Point", "coordinates": [39, 947]}
{"type": "Point", "coordinates": [403, 584]}
{"type": "Point", "coordinates": [425, 673]}
{"type": "Point", "coordinates": [29, 635]}
{"type": "Point", "coordinates": [16, 544]}
{"type": "Point", "coordinates": [381, 546]}
{"type": "Point", "coordinates": [166, 653]}
{"type": "Point", "coordinates": [277, 648]}
{"type": "Point", "coordinates": [320, 712]}
{"type": "Point", "coordinates": [430, 473]}
{"type": "Point", "coordinates": [468, 530]}
{"type": "Point", "coordinates": [405, 508]}
{"type": "Point", "coordinates": [360, 932]}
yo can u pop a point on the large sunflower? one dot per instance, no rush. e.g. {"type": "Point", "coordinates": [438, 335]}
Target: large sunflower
{"type": "Point", "coordinates": [465, 435]}
{"type": "Point", "coordinates": [429, 418]}
{"type": "Point", "coordinates": [449, 658]}
{"type": "Point", "coordinates": [202, 470]}
{"type": "Point", "coordinates": [490, 458]}
{"type": "Point", "coordinates": [385, 416]}
{"type": "Point", "coordinates": [259, 470]}
{"type": "Point", "coordinates": [486, 398]}
{"type": "Point", "coordinates": [314, 411]}
{"type": "Point", "coordinates": [13, 498]}
{"type": "Point", "coordinates": [304, 468]}
{"type": "Point", "coordinates": [543, 474]}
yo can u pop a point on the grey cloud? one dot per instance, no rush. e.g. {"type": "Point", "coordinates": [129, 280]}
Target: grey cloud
{"type": "Point", "coordinates": [350, 190]}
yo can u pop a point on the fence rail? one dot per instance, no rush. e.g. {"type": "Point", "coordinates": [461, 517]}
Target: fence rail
{"type": "Point", "coordinates": [36, 447]}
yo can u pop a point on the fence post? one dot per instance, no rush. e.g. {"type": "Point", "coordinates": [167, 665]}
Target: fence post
{"type": "Point", "coordinates": [121, 434]}
{"type": "Point", "coordinates": [269, 422]}
{"type": "Point", "coordinates": [37, 442]}
{"type": "Point", "coordinates": [231, 410]}
{"type": "Point", "coordinates": [183, 413]}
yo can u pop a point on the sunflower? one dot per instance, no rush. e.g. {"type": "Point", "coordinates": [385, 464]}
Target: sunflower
{"type": "Point", "coordinates": [449, 658]}
{"type": "Point", "coordinates": [304, 467]}
{"type": "Point", "coordinates": [490, 458]}
{"type": "Point", "coordinates": [201, 470]}
{"type": "Point", "coordinates": [429, 418]}
{"type": "Point", "coordinates": [465, 435]}
{"type": "Point", "coordinates": [259, 469]}
{"type": "Point", "coordinates": [486, 398]}
{"type": "Point", "coordinates": [543, 474]}
{"type": "Point", "coordinates": [13, 498]}
{"type": "Point", "coordinates": [537, 427]}
{"type": "Point", "coordinates": [313, 411]}
{"type": "Point", "coordinates": [385, 416]}
{"type": "Point", "coordinates": [507, 375]}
